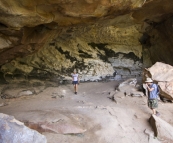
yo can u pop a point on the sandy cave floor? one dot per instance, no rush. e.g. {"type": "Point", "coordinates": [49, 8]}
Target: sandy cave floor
{"type": "Point", "coordinates": [104, 120]}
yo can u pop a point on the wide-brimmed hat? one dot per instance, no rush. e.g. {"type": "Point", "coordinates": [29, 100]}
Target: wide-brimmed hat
{"type": "Point", "coordinates": [149, 80]}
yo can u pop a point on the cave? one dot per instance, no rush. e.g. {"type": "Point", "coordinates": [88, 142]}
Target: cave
{"type": "Point", "coordinates": [108, 42]}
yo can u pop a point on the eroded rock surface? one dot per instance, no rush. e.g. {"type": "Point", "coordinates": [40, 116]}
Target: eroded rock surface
{"type": "Point", "coordinates": [54, 37]}
{"type": "Point", "coordinates": [162, 130]}
{"type": "Point", "coordinates": [12, 130]}
{"type": "Point", "coordinates": [130, 87]}
{"type": "Point", "coordinates": [56, 122]}
{"type": "Point", "coordinates": [95, 51]}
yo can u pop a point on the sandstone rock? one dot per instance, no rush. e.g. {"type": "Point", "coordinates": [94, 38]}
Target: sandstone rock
{"type": "Point", "coordinates": [112, 93]}
{"type": "Point", "coordinates": [162, 73]}
{"type": "Point", "coordinates": [5, 43]}
{"type": "Point", "coordinates": [130, 88]}
{"type": "Point", "coordinates": [15, 93]}
{"type": "Point", "coordinates": [162, 130]}
{"type": "Point", "coordinates": [60, 35]}
{"type": "Point", "coordinates": [96, 50]}
{"type": "Point", "coordinates": [25, 93]}
{"type": "Point", "coordinates": [128, 85]}
{"type": "Point", "coordinates": [157, 44]}
{"type": "Point", "coordinates": [59, 126]}
{"type": "Point", "coordinates": [14, 131]}
{"type": "Point", "coordinates": [166, 89]}
{"type": "Point", "coordinates": [38, 89]}
{"type": "Point", "coordinates": [63, 128]}
{"type": "Point", "coordinates": [3, 104]}
{"type": "Point", "coordinates": [151, 138]}
{"type": "Point", "coordinates": [26, 23]}
{"type": "Point", "coordinates": [119, 95]}
{"type": "Point", "coordinates": [55, 121]}
{"type": "Point", "coordinates": [131, 81]}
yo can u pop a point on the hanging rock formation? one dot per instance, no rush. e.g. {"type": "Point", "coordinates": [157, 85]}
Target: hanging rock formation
{"type": "Point", "coordinates": [95, 37]}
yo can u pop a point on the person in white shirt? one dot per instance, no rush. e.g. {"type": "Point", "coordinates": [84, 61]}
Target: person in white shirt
{"type": "Point", "coordinates": [75, 81]}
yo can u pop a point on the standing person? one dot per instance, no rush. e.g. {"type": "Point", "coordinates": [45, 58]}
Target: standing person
{"type": "Point", "coordinates": [152, 95]}
{"type": "Point", "coordinates": [75, 81]}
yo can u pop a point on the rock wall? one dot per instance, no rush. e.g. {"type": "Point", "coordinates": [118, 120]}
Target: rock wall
{"type": "Point", "coordinates": [160, 41]}
{"type": "Point", "coordinates": [25, 26]}
{"type": "Point", "coordinates": [95, 51]}
{"type": "Point", "coordinates": [46, 38]}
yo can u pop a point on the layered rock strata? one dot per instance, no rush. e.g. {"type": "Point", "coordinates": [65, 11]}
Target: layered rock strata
{"type": "Point", "coordinates": [54, 37]}
{"type": "Point", "coordinates": [95, 53]}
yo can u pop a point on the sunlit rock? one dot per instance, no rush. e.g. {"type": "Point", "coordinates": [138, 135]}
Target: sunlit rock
{"type": "Point", "coordinates": [162, 73]}
{"type": "Point", "coordinates": [12, 130]}
{"type": "Point", "coordinates": [162, 130]}
{"type": "Point", "coordinates": [55, 37]}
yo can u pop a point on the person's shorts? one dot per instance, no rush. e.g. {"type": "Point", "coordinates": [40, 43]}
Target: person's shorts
{"type": "Point", "coordinates": [152, 103]}
{"type": "Point", "coordinates": [75, 82]}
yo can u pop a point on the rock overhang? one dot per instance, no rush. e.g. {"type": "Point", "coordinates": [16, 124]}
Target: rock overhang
{"type": "Point", "coordinates": [34, 31]}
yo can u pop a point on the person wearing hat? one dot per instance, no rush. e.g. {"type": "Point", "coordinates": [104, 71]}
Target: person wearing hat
{"type": "Point", "coordinates": [152, 95]}
{"type": "Point", "coordinates": [75, 81]}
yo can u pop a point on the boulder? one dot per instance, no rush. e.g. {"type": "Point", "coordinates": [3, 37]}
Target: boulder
{"type": "Point", "coordinates": [14, 131]}
{"type": "Point", "coordinates": [162, 130]}
{"type": "Point", "coordinates": [162, 74]}
{"type": "Point", "coordinates": [130, 88]}
{"type": "Point", "coordinates": [15, 93]}
{"type": "Point", "coordinates": [166, 89]}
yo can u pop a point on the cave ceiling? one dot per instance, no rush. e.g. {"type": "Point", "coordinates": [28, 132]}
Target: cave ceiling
{"type": "Point", "coordinates": [56, 34]}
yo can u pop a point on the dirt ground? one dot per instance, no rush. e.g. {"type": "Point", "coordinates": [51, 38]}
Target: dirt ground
{"type": "Point", "coordinates": [97, 118]}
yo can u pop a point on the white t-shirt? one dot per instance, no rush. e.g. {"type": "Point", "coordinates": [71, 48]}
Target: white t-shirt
{"type": "Point", "coordinates": [75, 77]}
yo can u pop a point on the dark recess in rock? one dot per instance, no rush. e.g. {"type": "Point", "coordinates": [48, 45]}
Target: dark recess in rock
{"type": "Point", "coordinates": [101, 46]}
{"type": "Point", "coordinates": [84, 54]}
{"type": "Point", "coordinates": [110, 53]}
{"type": "Point", "coordinates": [2, 26]}
{"type": "Point", "coordinates": [51, 44]}
{"type": "Point", "coordinates": [145, 40]}
{"type": "Point", "coordinates": [130, 55]}
{"type": "Point", "coordinates": [66, 53]}
{"type": "Point", "coordinates": [2, 81]}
